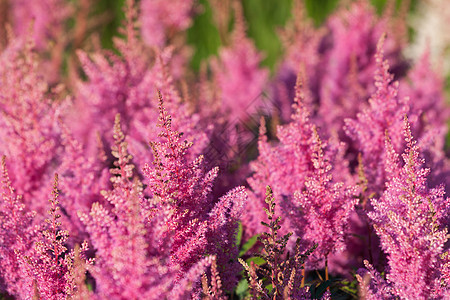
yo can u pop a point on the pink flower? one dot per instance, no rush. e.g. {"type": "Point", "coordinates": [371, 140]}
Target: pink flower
{"type": "Point", "coordinates": [384, 115]}
{"type": "Point", "coordinates": [161, 19]}
{"type": "Point", "coordinates": [190, 222]}
{"type": "Point", "coordinates": [29, 132]}
{"type": "Point", "coordinates": [409, 219]}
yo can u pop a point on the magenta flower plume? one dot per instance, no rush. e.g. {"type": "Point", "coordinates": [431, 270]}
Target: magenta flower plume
{"type": "Point", "coordinates": [126, 84]}
{"type": "Point", "coordinates": [48, 270]}
{"type": "Point", "coordinates": [43, 22]}
{"type": "Point", "coordinates": [325, 206]}
{"type": "Point", "coordinates": [129, 263]}
{"type": "Point", "coordinates": [29, 132]}
{"type": "Point", "coordinates": [17, 232]}
{"type": "Point", "coordinates": [384, 114]}
{"type": "Point", "coordinates": [161, 19]}
{"type": "Point", "coordinates": [339, 60]}
{"type": "Point", "coordinates": [424, 86]}
{"type": "Point", "coordinates": [181, 193]}
{"type": "Point", "coordinates": [118, 234]}
{"type": "Point", "coordinates": [289, 164]}
{"type": "Point", "coordinates": [347, 82]}
{"type": "Point", "coordinates": [46, 19]}
{"type": "Point", "coordinates": [294, 145]}
{"type": "Point", "coordinates": [409, 219]}
{"type": "Point", "coordinates": [81, 180]}
{"type": "Point", "coordinates": [238, 76]}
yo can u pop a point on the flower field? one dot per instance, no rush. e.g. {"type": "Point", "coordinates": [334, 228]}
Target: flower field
{"type": "Point", "coordinates": [224, 149]}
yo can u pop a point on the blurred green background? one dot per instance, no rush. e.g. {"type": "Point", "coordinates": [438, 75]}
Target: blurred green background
{"type": "Point", "coordinates": [263, 18]}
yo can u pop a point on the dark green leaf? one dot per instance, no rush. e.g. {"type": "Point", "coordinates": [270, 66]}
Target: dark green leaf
{"type": "Point", "coordinates": [248, 245]}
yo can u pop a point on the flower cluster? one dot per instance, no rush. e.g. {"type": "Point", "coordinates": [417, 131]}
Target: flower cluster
{"type": "Point", "coordinates": [410, 220]}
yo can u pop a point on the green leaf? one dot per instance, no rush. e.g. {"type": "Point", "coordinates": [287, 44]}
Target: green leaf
{"type": "Point", "coordinates": [242, 289]}
{"type": "Point", "coordinates": [248, 245]}
{"type": "Point", "coordinates": [317, 291]}
{"type": "Point", "coordinates": [239, 234]}
{"type": "Point", "coordinates": [257, 260]}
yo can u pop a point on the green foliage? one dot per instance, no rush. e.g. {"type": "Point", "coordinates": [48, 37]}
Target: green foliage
{"type": "Point", "coordinates": [318, 290]}
{"type": "Point", "coordinates": [319, 10]}
{"type": "Point", "coordinates": [242, 289]}
{"type": "Point", "coordinates": [350, 288]}
{"type": "Point", "coordinates": [113, 11]}
{"type": "Point", "coordinates": [281, 273]}
{"type": "Point", "coordinates": [264, 18]}
{"type": "Point", "coordinates": [203, 36]}
{"type": "Point", "coordinates": [248, 245]}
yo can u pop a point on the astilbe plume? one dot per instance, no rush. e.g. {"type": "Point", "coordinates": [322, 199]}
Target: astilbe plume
{"type": "Point", "coordinates": [424, 86]}
{"type": "Point", "coordinates": [80, 181]}
{"type": "Point", "coordinates": [161, 19]}
{"type": "Point", "coordinates": [46, 18]}
{"type": "Point", "coordinates": [188, 220]}
{"type": "Point", "coordinates": [29, 132]}
{"type": "Point", "coordinates": [339, 61]}
{"type": "Point", "coordinates": [347, 80]}
{"type": "Point", "coordinates": [237, 101]}
{"type": "Point", "coordinates": [325, 207]}
{"type": "Point", "coordinates": [17, 232]}
{"type": "Point", "coordinates": [301, 41]}
{"type": "Point", "coordinates": [293, 143]}
{"type": "Point", "coordinates": [238, 76]}
{"type": "Point", "coordinates": [387, 106]}
{"type": "Point", "coordinates": [45, 23]}
{"type": "Point", "coordinates": [288, 164]}
{"type": "Point", "coordinates": [126, 84]}
{"type": "Point", "coordinates": [129, 264]}
{"type": "Point", "coordinates": [48, 270]}
{"type": "Point", "coordinates": [384, 115]}
{"type": "Point", "coordinates": [118, 233]}
{"type": "Point", "coordinates": [408, 218]}
{"type": "Point", "coordinates": [284, 273]}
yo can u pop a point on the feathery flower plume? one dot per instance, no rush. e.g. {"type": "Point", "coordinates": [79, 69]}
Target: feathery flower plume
{"type": "Point", "coordinates": [17, 232]}
{"type": "Point", "coordinates": [48, 269]}
{"type": "Point", "coordinates": [125, 84]}
{"type": "Point", "coordinates": [384, 114]}
{"type": "Point", "coordinates": [289, 164]}
{"type": "Point", "coordinates": [46, 17]}
{"type": "Point", "coordinates": [195, 224]}
{"type": "Point", "coordinates": [424, 86]}
{"type": "Point", "coordinates": [118, 233]}
{"type": "Point", "coordinates": [238, 75]}
{"type": "Point", "coordinates": [237, 102]}
{"type": "Point", "coordinates": [129, 263]}
{"type": "Point", "coordinates": [28, 123]}
{"type": "Point", "coordinates": [161, 19]}
{"type": "Point", "coordinates": [325, 207]}
{"type": "Point", "coordinates": [81, 180]}
{"type": "Point", "coordinates": [339, 61]}
{"type": "Point", "coordinates": [284, 273]}
{"type": "Point", "coordinates": [409, 219]}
